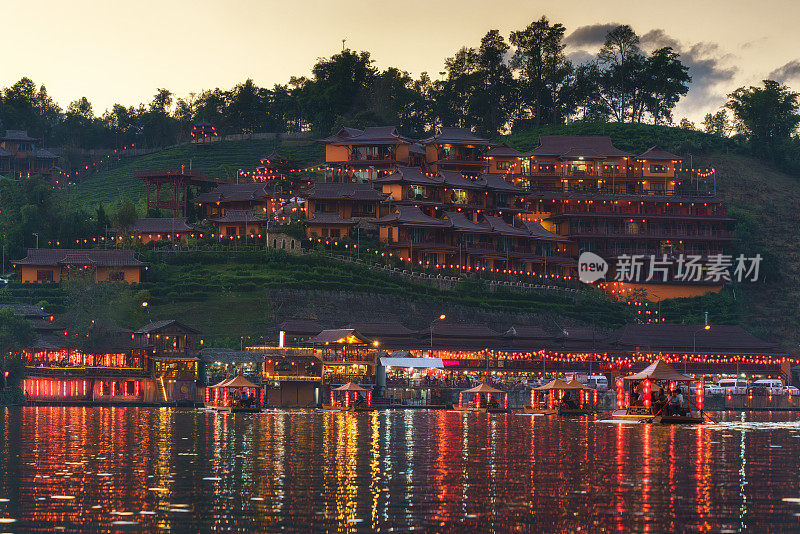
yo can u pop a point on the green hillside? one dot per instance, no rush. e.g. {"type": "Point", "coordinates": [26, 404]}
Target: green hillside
{"type": "Point", "coordinates": [229, 295]}
{"type": "Point", "coordinates": [224, 158]}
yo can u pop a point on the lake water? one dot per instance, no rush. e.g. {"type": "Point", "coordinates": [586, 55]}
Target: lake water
{"type": "Point", "coordinates": [150, 469]}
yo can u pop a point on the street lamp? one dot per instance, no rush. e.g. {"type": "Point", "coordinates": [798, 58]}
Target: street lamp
{"type": "Point", "coordinates": [37, 239]}
{"type": "Point", "coordinates": [706, 326]}
{"type": "Point", "coordinates": [442, 317]}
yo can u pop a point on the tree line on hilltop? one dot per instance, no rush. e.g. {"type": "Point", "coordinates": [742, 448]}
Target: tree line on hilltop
{"type": "Point", "coordinates": [501, 85]}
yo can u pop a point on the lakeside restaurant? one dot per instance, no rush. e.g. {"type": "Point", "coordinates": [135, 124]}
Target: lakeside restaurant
{"type": "Point", "coordinates": [467, 351]}
{"type": "Point", "coordinates": [156, 364]}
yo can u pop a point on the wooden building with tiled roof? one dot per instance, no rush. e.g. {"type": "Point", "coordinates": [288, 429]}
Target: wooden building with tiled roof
{"type": "Point", "coordinates": [100, 265]}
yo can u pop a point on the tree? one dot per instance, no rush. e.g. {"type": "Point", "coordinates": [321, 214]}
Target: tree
{"type": "Point", "coordinates": [667, 80]}
{"type": "Point", "coordinates": [125, 216]}
{"type": "Point", "coordinates": [339, 86]}
{"type": "Point", "coordinates": [102, 222]}
{"type": "Point", "coordinates": [494, 98]}
{"type": "Point", "coordinates": [621, 61]}
{"type": "Point", "coordinates": [767, 116]}
{"type": "Point", "coordinates": [543, 70]}
{"type": "Point", "coordinates": [686, 124]}
{"type": "Point", "coordinates": [15, 333]}
{"type": "Point", "coordinates": [717, 123]}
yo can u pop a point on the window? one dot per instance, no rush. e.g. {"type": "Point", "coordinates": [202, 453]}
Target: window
{"type": "Point", "coordinates": [501, 200]}
{"type": "Point", "coordinates": [230, 230]}
{"type": "Point", "coordinates": [106, 389]}
{"type": "Point", "coordinates": [368, 208]}
{"type": "Point", "coordinates": [335, 232]}
{"type": "Point", "coordinates": [504, 165]}
{"type": "Point", "coordinates": [660, 169]}
{"type": "Point", "coordinates": [526, 166]}
{"type": "Point", "coordinates": [418, 192]}
{"type": "Point", "coordinates": [130, 388]}
{"type": "Point", "coordinates": [458, 196]}
{"type": "Point", "coordinates": [116, 276]}
{"type": "Point", "coordinates": [319, 207]}
{"type": "Point", "coordinates": [44, 276]}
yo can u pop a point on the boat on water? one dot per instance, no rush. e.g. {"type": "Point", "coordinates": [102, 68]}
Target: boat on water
{"type": "Point", "coordinates": [482, 400]}
{"type": "Point", "coordinates": [234, 395]}
{"type": "Point", "coordinates": [642, 397]}
{"type": "Point", "coordinates": [562, 398]}
{"type": "Point", "coordinates": [347, 398]}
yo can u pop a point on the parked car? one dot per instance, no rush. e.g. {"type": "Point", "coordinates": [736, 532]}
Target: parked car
{"type": "Point", "coordinates": [791, 390]}
{"type": "Point", "coordinates": [598, 382]}
{"type": "Point", "coordinates": [713, 389]}
{"type": "Point", "coordinates": [4, 280]}
{"type": "Point", "coordinates": [734, 386]}
{"type": "Point", "coordinates": [772, 385]}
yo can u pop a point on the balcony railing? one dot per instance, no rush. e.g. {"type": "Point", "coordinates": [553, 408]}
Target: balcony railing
{"type": "Point", "coordinates": [661, 234]}
{"type": "Point", "coordinates": [638, 192]}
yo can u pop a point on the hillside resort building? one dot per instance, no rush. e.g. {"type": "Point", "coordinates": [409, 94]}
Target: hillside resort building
{"type": "Point", "coordinates": [458, 201]}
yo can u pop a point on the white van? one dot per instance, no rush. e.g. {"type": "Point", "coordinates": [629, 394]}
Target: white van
{"type": "Point", "coordinates": [773, 385]}
{"type": "Point", "coordinates": [736, 386]}
{"type": "Point", "coordinates": [598, 382]}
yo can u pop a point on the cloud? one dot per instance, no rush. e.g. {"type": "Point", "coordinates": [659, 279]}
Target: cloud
{"type": "Point", "coordinates": [589, 36]}
{"type": "Point", "coordinates": [709, 66]}
{"type": "Point", "coordinates": [788, 71]}
{"type": "Point", "coordinates": [579, 57]}
{"type": "Point", "coordinates": [712, 69]}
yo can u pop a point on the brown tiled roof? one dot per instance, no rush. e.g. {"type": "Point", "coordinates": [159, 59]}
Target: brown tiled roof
{"type": "Point", "coordinates": [457, 180]}
{"type": "Point", "coordinates": [95, 257]}
{"type": "Point", "coordinates": [412, 216]}
{"type": "Point", "coordinates": [501, 227]}
{"type": "Point", "coordinates": [537, 230]}
{"type": "Point", "coordinates": [17, 135]}
{"type": "Point", "coordinates": [658, 153]}
{"type": "Point", "coordinates": [504, 151]}
{"type": "Point", "coordinates": [343, 133]}
{"type": "Point", "coordinates": [301, 326]}
{"type": "Point", "coordinates": [382, 329]}
{"type": "Point", "coordinates": [351, 191]}
{"type": "Point", "coordinates": [681, 336]}
{"type": "Point", "coordinates": [576, 145]}
{"type": "Point", "coordinates": [475, 331]}
{"type": "Point", "coordinates": [409, 175]}
{"type": "Point", "coordinates": [328, 217]}
{"type": "Point", "coordinates": [456, 136]}
{"type": "Point", "coordinates": [527, 332]}
{"type": "Point", "coordinates": [235, 193]}
{"type": "Point", "coordinates": [160, 325]}
{"type": "Point", "coordinates": [459, 221]}
{"type": "Point", "coordinates": [237, 216]}
{"type": "Point", "coordinates": [496, 182]}
{"type": "Point", "coordinates": [374, 135]}
{"type": "Point", "coordinates": [164, 225]}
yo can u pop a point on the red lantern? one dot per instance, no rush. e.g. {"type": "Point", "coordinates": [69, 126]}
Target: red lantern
{"type": "Point", "coordinates": [700, 393]}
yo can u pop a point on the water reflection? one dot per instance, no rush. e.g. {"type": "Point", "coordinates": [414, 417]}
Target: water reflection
{"type": "Point", "coordinates": [153, 469]}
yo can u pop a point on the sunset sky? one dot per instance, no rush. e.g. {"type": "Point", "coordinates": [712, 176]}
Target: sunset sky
{"type": "Point", "coordinates": [122, 51]}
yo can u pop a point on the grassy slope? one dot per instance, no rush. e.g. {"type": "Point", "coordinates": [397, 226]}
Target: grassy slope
{"type": "Point", "coordinates": [247, 294]}
{"type": "Point", "coordinates": [118, 183]}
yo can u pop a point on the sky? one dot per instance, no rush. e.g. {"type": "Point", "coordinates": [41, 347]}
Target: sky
{"type": "Point", "coordinates": [114, 51]}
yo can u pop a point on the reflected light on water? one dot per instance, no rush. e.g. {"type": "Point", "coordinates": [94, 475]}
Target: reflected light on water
{"type": "Point", "coordinates": [159, 468]}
